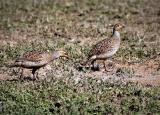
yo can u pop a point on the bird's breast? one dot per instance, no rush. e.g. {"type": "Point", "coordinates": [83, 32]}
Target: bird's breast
{"type": "Point", "coordinates": [110, 51]}
{"type": "Point", "coordinates": [32, 64]}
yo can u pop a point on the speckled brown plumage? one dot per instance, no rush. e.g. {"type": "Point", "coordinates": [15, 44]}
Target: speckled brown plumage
{"type": "Point", "coordinates": [104, 46]}
{"type": "Point", "coordinates": [107, 47]}
{"type": "Point", "coordinates": [36, 59]}
{"type": "Point", "coordinates": [34, 55]}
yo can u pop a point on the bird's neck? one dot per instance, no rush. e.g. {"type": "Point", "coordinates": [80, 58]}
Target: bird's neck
{"type": "Point", "coordinates": [115, 34]}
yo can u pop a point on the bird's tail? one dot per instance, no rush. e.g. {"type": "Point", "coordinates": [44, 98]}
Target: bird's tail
{"type": "Point", "coordinates": [11, 65]}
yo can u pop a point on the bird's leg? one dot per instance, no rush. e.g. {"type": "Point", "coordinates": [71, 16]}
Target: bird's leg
{"type": "Point", "coordinates": [37, 76]}
{"type": "Point", "coordinates": [33, 72]}
{"type": "Point", "coordinates": [104, 64]}
{"type": "Point", "coordinates": [21, 74]}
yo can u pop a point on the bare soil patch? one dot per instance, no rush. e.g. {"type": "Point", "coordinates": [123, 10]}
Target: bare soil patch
{"type": "Point", "coordinates": [147, 72]}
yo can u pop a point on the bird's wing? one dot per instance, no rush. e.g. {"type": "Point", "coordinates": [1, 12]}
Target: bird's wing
{"type": "Point", "coordinates": [101, 47]}
{"type": "Point", "coordinates": [32, 56]}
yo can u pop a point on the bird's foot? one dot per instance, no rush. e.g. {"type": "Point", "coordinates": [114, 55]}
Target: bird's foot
{"type": "Point", "coordinates": [21, 78]}
{"type": "Point", "coordinates": [34, 78]}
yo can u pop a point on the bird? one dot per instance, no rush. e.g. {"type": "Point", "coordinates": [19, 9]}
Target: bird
{"type": "Point", "coordinates": [106, 48]}
{"type": "Point", "coordinates": [36, 59]}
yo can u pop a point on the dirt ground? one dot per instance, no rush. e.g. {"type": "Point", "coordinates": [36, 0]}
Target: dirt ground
{"type": "Point", "coordinates": [145, 73]}
{"type": "Point", "coordinates": [82, 26]}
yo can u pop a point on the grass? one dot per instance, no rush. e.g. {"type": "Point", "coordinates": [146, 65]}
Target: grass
{"type": "Point", "coordinates": [86, 97]}
{"type": "Point", "coordinates": [75, 25]}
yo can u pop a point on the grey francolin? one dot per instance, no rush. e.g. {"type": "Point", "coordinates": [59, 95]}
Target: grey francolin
{"type": "Point", "coordinates": [107, 47]}
{"type": "Point", "coordinates": [36, 59]}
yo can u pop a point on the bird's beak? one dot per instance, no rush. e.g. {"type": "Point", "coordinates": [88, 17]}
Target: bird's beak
{"type": "Point", "coordinates": [123, 26]}
{"type": "Point", "coordinates": [110, 25]}
{"type": "Point", "coordinates": [66, 56]}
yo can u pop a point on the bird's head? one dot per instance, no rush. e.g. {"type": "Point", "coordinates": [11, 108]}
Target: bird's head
{"type": "Point", "coordinates": [60, 53]}
{"type": "Point", "coordinates": [118, 26]}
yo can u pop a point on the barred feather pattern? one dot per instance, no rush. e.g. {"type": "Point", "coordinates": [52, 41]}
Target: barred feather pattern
{"type": "Point", "coordinates": [105, 48]}
{"type": "Point", "coordinates": [33, 59]}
